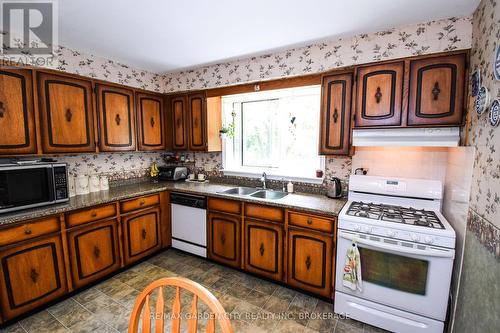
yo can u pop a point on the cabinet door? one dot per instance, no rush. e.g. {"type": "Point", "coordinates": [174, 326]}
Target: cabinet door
{"type": "Point", "coordinates": [264, 248]}
{"type": "Point", "coordinates": [336, 114]}
{"type": "Point", "coordinates": [32, 274]}
{"type": "Point", "coordinates": [16, 112]}
{"type": "Point", "coordinates": [141, 233]}
{"type": "Point", "coordinates": [116, 118]}
{"type": "Point", "coordinates": [151, 122]}
{"type": "Point", "coordinates": [197, 115]}
{"type": "Point", "coordinates": [94, 251]}
{"type": "Point", "coordinates": [224, 238]}
{"type": "Point", "coordinates": [179, 105]}
{"type": "Point", "coordinates": [310, 261]}
{"type": "Point", "coordinates": [437, 91]}
{"type": "Point", "coordinates": [379, 95]}
{"type": "Point", "coordinates": [67, 114]}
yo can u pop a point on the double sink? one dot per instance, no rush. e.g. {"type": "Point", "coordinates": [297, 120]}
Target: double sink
{"type": "Point", "coordinates": [255, 193]}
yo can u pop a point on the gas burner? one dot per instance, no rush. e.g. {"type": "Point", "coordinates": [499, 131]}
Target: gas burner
{"type": "Point", "coordinates": [396, 214]}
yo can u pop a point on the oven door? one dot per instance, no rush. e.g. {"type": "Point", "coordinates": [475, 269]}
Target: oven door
{"type": "Point", "coordinates": [25, 187]}
{"type": "Point", "coordinates": [403, 275]}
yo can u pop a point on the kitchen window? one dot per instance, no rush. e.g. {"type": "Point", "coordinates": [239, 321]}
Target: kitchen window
{"type": "Point", "coordinates": [274, 131]}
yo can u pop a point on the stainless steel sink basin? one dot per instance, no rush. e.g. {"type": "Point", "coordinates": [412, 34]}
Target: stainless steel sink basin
{"type": "Point", "coordinates": [265, 194]}
{"type": "Point", "coordinates": [240, 190]}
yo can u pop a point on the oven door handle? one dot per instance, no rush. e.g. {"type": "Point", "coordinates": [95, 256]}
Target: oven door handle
{"type": "Point", "coordinates": [429, 252]}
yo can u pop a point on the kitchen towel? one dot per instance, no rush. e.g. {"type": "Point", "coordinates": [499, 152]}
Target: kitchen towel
{"type": "Point", "coordinates": [352, 268]}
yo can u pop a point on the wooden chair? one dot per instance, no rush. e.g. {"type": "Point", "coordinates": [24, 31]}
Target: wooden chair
{"type": "Point", "coordinates": [143, 302]}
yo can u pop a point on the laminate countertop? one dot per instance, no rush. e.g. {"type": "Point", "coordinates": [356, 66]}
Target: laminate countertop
{"type": "Point", "coordinates": [305, 202]}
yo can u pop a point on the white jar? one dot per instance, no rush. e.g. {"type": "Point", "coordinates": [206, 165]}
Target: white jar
{"type": "Point", "coordinates": [82, 185]}
{"type": "Point", "coordinates": [94, 183]}
{"type": "Point", "coordinates": [71, 185]}
{"type": "Point", "coordinates": [104, 183]}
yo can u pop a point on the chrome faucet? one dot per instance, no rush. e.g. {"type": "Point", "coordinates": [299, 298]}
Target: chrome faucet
{"type": "Point", "coordinates": [263, 179]}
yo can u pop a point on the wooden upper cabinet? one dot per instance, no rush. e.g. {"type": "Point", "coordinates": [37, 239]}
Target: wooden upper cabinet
{"type": "Point", "coordinates": [16, 112]}
{"type": "Point", "coordinates": [437, 91]}
{"type": "Point", "coordinates": [335, 124]}
{"type": "Point", "coordinates": [116, 118]}
{"type": "Point", "coordinates": [66, 113]}
{"type": "Point", "coordinates": [150, 122]}
{"type": "Point", "coordinates": [379, 95]}
{"type": "Point", "coordinates": [180, 140]}
{"type": "Point", "coordinates": [32, 274]}
{"type": "Point", "coordinates": [197, 117]}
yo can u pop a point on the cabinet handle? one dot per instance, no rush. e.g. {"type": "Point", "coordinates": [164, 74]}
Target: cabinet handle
{"type": "Point", "coordinates": [222, 239]}
{"type": "Point", "coordinates": [97, 252]}
{"type": "Point", "coordinates": [69, 115]}
{"type": "Point", "coordinates": [144, 233]}
{"type": "Point", "coordinates": [2, 109]}
{"type": "Point", "coordinates": [261, 249]}
{"type": "Point", "coordinates": [335, 115]}
{"type": "Point", "coordinates": [309, 221]}
{"type": "Point", "coordinates": [195, 122]}
{"type": "Point", "coordinates": [34, 275]}
{"type": "Point", "coordinates": [152, 122]}
{"type": "Point", "coordinates": [93, 214]}
{"type": "Point", "coordinates": [378, 95]}
{"type": "Point", "coordinates": [308, 262]}
{"type": "Point", "coordinates": [142, 202]}
{"type": "Point", "coordinates": [27, 231]}
{"type": "Point", "coordinates": [178, 123]}
{"type": "Point", "coordinates": [436, 91]}
{"type": "Point", "coordinates": [118, 119]}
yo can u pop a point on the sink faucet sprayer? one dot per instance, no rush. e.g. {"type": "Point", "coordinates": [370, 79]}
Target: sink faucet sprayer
{"type": "Point", "coordinates": [263, 179]}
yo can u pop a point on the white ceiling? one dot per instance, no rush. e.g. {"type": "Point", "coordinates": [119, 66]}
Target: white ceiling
{"type": "Point", "coordinates": [165, 35]}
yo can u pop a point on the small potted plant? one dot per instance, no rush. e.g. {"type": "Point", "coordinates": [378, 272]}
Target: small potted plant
{"type": "Point", "coordinates": [227, 131]}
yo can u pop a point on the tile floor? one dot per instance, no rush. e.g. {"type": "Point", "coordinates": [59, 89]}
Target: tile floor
{"type": "Point", "coordinates": [255, 305]}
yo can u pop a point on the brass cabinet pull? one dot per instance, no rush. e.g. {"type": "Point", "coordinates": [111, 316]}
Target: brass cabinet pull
{"type": "Point", "coordinates": [118, 119]}
{"type": "Point", "coordinates": [309, 221]}
{"type": "Point", "coordinates": [223, 239]}
{"type": "Point", "coordinates": [93, 214]}
{"type": "Point", "coordinates": [178, 122]}
{"type": "Point", "coordinates": [144, 233]}
{"type": "Point", "coordinates": [308, 262]}
{"type": "Point", "coordinates": [69, 115]}
{"type": "Point", "coordinates": [2, 109]}
{"type": "Point", "coordinates": [195, 122]}
{"type": "Point", "coordinates": [378, 95]}
{"type": "Point", "coordinates": [27, 231]}
{"type": "Point", "coordinates": [97, 252]}
{"type": "Point", "coordinates": [152, 122]}
{"type": "Point", "coordinates": [335, 115]}
{"type": "Point", "coordinates": [436, 91]}
{"type": "Point", "coordinates": [34, 275]}
{"type": "Point", "coordinates": [142, 202]}
{"type": "Point", "coordinates": [261, 249]}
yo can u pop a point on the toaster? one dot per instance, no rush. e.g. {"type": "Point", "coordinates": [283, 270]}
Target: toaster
{"type": "Point", "coordinates": [172, 173]}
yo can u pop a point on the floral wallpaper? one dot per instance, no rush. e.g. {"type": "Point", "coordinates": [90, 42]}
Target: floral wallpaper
{"type": "Point", "coordinates": [430, 37]}
{"type": "Point", "coordinates": [485, 192]}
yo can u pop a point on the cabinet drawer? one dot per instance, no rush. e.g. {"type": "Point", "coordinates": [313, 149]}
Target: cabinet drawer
{"type": "Point", "coordinates": [311, 221]}
{"type": "Point", "coordinates": [29, 230]}
{"type": "Point", "coordinates": [90, 214]}
{"type": "Point", "coordinates": [223, 205]}
{"type": "Point", "coordinates": [139, 203]}
{"type": "Point", "coordinates": [264, 212]}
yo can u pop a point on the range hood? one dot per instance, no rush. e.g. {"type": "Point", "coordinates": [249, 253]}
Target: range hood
{"type": "Point", "coordinates": [407, 137]}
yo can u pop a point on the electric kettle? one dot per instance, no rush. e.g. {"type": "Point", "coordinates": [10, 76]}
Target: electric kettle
{"type": "Point", "coordinates": [335, 189]}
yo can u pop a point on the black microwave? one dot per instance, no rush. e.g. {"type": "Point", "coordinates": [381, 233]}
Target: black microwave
{"type": "Point", "coordinates": [32, 185]}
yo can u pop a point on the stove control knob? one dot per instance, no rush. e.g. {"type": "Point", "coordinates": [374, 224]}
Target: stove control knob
{"type": "Point", "coordinates": [415, 237]}
{"type": "Point", "coordinates": [428, 240]}
{"type": "Point", "coordinates": [356, 227]}
{"type": "Point", "coordinates": [391, 233]}
{"type": "Point", "coordinates": [367, 230]}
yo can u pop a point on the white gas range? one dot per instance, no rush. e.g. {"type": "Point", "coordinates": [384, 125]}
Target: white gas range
{"type": "Point", "coordinates": [406, 248]}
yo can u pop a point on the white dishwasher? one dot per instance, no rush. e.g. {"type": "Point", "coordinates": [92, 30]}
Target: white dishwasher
{"type": "Point", "coordinates": [189, 223]}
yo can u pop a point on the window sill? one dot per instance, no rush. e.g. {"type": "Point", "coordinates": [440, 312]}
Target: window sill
{"type": "Point", "coordinates": [273, 177]}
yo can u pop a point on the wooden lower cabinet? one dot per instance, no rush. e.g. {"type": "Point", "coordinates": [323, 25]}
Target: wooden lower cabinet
{"type": "Point", "coordinates": [224, 238]}
{"type": "Point", "coordinates": [141, 234]}
{"type": "Point", "coordinates": [33, 274]}
{"type": "Point", "coordinates": [310, 261]}
{"type": "Point", "coordinates": [94, 251]}
{"type": "Point", "coordinates": [264, 249]}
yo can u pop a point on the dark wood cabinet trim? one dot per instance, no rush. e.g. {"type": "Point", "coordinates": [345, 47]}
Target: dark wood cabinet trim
{"type": "Point", "coordinates": [276, 248]}
{"type": "Point", "coordinates": [323, 272]}
{"type": "Point", "coordinates": [131, 218]}
{"type": "Point", "coordinates": [106, 141]}
{"type": "Point", "coordinates": [393, 93]}
{"type": "Point", "coordinates": [329, 115]}
{"type": "Point", "coordinates": [235, 235]}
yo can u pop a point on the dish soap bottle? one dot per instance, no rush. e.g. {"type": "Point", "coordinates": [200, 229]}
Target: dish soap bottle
{"type": "Point", "coordinates": [289, 187]}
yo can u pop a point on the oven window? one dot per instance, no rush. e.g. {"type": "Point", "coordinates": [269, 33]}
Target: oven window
{"type": "Point", "coordinates": [394, 271]}
{"type": "Point", "coordinates": [24, 187]}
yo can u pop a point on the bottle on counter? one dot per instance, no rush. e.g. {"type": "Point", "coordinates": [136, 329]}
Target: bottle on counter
{"type": "Point", "coordinates": [289, 187]}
